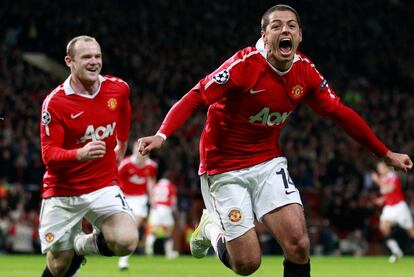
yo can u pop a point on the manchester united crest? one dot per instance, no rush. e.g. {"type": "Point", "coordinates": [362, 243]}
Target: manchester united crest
{"type": "Point", "coordinates": [112, 103]}
{"type": "Point", "coordinates": [49, 237]}
{"type": "Point", "coordinates": [297, 91]}
{"type": "Point", "coordinates": [235, 215]}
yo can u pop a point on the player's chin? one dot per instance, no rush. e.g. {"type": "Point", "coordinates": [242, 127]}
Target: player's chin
{"type": "Point", "coordinates": [91, 76]}
{"type": "Point", "coordinates": [286, 57]}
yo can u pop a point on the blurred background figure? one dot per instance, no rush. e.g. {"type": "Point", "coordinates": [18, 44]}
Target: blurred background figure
{"type": "Point", "coordinates": [161, 220]}
{"type": "Point", "coordinates": [395, 210]}
{"type": "Point", "coordinates": [137, 177]}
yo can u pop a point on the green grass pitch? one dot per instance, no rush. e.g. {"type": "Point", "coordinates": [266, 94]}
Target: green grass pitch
{"type": "Point", "coordinates": [186, 266]}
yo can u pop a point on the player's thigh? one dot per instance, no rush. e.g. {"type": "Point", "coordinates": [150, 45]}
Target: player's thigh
{"type": "Point", "coordinates": [229, 203]}
{"type": "Point", "coordinates": [404, 217]}
{"type": "Point", "coordinates": [245, 249]}
{"type": "Point", "coordinates": [60, 220]}
{"type": "Point", "coordinates": [119, 226]}
{"type": "Point", "coordinates": [385, 226]}
{"type": "Point", "coordinates": [110, 213]}
{"type": "Point", "coordinates": [274, 189]}
{"type": "Point", "coordinates": [287, 225]}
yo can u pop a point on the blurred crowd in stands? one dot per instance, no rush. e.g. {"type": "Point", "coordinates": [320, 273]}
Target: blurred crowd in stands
{"type": "Point", "coordinates": [162, 48]}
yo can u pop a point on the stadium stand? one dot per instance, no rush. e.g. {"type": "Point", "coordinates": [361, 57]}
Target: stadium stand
{"type": "Point", "coordinates": [162, 48]}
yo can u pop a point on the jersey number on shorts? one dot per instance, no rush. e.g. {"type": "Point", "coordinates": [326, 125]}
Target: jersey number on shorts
{"type": "Point", "coordinates": [286, 180]}
{"type": "Point", "coordinates": [125, 205]}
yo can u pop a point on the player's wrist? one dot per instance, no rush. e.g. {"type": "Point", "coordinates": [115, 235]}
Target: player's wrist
{"type": "Point", "coordinates": [163, 136]}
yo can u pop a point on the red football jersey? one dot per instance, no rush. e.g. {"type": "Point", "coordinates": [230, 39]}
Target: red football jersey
{"type": "Point", "coordinates": [396, 195]}
{"type": "Point", "coordinates": [69, 121]}
{"type": "Point", "coordinates": [164, 193]}
{"type": "Point", "coordinates": [134, 178]}
{"type": "Point", "coordinates": [249, 101]}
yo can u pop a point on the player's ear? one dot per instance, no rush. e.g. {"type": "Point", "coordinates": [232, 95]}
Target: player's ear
{"type": "Point", "coordinates": [263, 35]}
{"type": "Point", "coordinates": [68, 60]}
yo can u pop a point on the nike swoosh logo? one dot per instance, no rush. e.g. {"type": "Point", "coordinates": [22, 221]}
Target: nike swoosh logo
{"type": "Point", "coordinates": [252, 91]}
{"type": "Point", "coordinates": [73, 116]}
{"type": "Point", "coordinates": [289, 192]}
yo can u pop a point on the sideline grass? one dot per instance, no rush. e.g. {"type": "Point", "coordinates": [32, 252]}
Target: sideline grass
{"type": "Point", "coordinates": [186, 266]}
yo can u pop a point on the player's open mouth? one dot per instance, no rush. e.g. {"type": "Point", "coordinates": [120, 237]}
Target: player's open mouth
{"type": "Point", "coordinates": [92, 70]}
{"type": "Point", "coordinates": [285, 46]}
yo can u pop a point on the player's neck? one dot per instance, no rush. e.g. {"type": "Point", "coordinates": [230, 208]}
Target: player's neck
{"type": "Point", "coordinates": [83, 87]}
{"type": "Point", "coordinates": [279, 65]}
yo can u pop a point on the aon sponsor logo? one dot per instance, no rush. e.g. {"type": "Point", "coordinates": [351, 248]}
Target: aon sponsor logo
{"type": "Point", "coordinates": [99, 133]}
{"type": "Point", "coordinates": [265, 117]}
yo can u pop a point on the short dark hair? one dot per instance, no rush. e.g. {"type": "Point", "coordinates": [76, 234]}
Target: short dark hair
{"type": "Point", "coordinates": [280, 7]}
{"type": "Point", "coordinates": [71, 44]}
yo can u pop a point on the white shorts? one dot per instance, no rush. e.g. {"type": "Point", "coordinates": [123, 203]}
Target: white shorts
{"type": "Point", "coordinates": [235, 198]}
{"type": "Point", "coordinates": [399, 214]}
{"type": "Point", "coordinates": [161, 216]}
{"type": "Point", "coordinates": [61, 217]}
{"type": "Point", "coordinates": [138, 204]}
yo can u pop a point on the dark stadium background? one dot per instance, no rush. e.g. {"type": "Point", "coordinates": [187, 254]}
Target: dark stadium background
{"type": "Point", "coordinates": [162, 48]}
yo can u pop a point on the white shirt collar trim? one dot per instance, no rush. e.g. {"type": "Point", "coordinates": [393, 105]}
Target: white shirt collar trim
{"type": "Point", "coordinates": [69, 90]}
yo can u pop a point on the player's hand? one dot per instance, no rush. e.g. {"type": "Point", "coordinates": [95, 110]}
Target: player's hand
{"type": "Point", "coordinates": [120, 150]}
{"type": "Point", "coordinates": [91, 151]}
{"type": "Point", "coordinates": [398, 161]}
{"type": "Point", "coordinates": [146, 144]}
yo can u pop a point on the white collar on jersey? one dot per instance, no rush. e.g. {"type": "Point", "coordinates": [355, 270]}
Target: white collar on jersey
{"type": "Point", "coordinates": [262, 50]}
{"type": "Point", "coordinates": [69, 90]}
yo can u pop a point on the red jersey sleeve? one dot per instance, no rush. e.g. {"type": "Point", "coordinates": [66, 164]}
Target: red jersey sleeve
{"type": "Point", "coordinates": [214, 87]}
{"type": "Point", "coordinates": [321, 98]}
{"type": "Point", "coordinates": [52, 135]}
{"type": "Point", "coordinates": [324, 101]}
{"type": "Point", "coordinates": [358, 129]}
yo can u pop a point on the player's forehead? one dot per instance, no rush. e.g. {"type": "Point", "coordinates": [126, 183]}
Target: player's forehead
{"type": "Point", "coordinates": [90, 47]}
{"type": "Point", "coordinates": [282, 16]}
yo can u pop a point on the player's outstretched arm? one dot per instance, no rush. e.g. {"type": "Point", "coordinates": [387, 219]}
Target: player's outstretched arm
{"type": "Point", "coordinates": [357, 128]}
{"type": "Point", "coordinates": [398, 160]}
{"type": "Point", "coordinates": [146, 144]}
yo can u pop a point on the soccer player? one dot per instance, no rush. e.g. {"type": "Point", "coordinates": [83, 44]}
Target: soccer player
{"type": "Point", "coordinates": [395, 211]}
{"type": "Point", "coordinates": [243, 172]}
{"type": "Point", "coordinates": [137, 177]}
{"type": "Point", "coordinates": [163, 205]}
{"type": "Point", "coordinates": [84, 131]}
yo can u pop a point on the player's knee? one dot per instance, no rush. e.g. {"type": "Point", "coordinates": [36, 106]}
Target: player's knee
{"type": "Point", "coordinates": [245, 267]}
{"type": "Point", "coordinates": [58, 267]}
{"type": "Point", "coordinates": [385, 230]}
{"type": "Point", "coordinates": [298, 249]}
{"type": "Point", "coordinates": [126, 245]}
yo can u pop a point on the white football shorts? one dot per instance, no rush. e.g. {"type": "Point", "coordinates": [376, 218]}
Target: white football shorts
{"type": "Point", "coordinates": [61, 217]}
{"type": "Point", "coordinates": [399, 214]}
{"type": "Point", "coordinates": [138, 204]}
{"type": "Point", "coordinates": [235, 198]}
{"type": "Point", "coordinates": [161, 215]}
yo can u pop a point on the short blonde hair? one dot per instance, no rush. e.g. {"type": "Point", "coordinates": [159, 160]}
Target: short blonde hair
{"type": "Point", "coordinates": [71, 44]}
